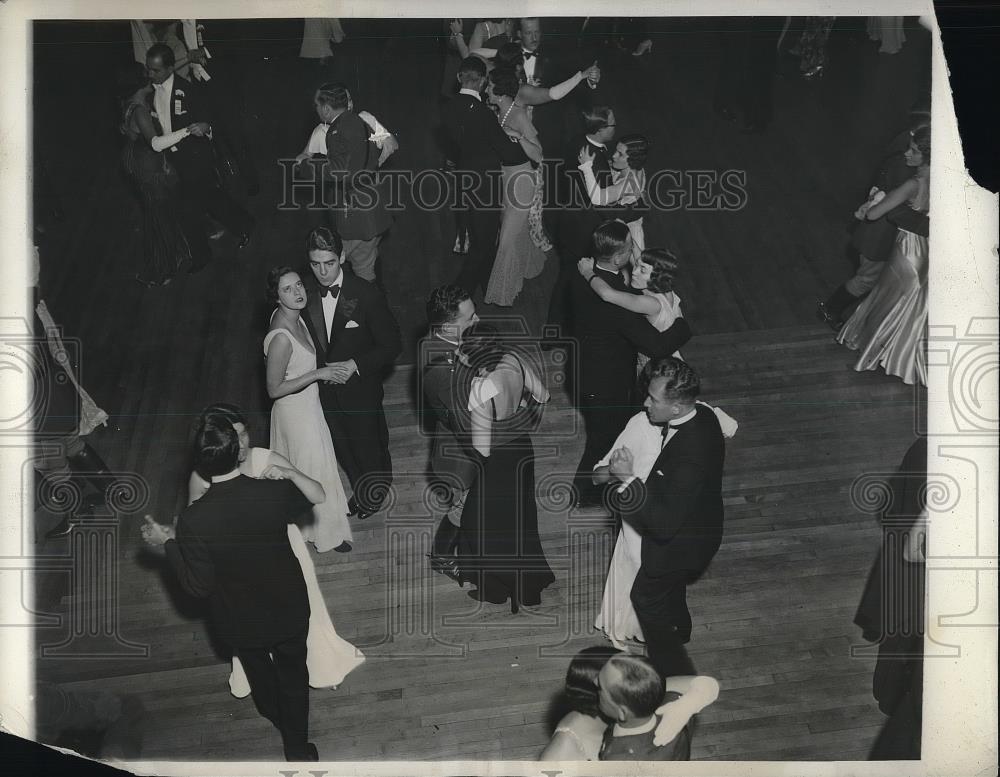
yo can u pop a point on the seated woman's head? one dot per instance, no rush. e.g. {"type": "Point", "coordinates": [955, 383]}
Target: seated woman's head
{"type": "Point", "coordinates": [482, 348]}
{"type": "Point", "coordinates": [581, 692]}
{"type": "Point", "coordinates": [630, 152]}
{"type": "Point", "coordinates": [656, 270]}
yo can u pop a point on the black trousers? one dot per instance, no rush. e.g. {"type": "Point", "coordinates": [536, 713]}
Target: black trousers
{"type": "Point", "coordinates": [361, 441]}
{"type": "Point", "coordinates": [279, 684]}
{"type": "Point", "coordinates": [666, 622]}
{"type": "Point", "coordinates": [201, 195]}
{"type": "Point", "coordinates": [604, 417]}
{"type": "Point", "coordinates": [484, 229]}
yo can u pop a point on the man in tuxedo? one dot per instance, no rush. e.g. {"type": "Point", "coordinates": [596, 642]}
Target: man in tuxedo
{"type": "Point", "coordinates": [353, 328]}
{"type": "Point", "coordinates": [360, 215]}
{"type": "Point", "coordinates": [680, 514]}
{"type": "Point", "coordinates": [231, 547]}
{"type": "Point", "coordinates": [478, 147]}
{"type": "Point", "coordinates": [609, 338]}
{"type": "Point", "coordinates": [579, 217]}
{"type": "Point", "coordinates": [556, 119]}
{"type": "Point", "coordinates": [450, 312]}
{"type": "Point", "coordinates": [178, 102]}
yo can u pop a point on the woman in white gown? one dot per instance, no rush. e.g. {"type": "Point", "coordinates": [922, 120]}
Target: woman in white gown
{"type": "Point", "coordinates": [617, 618]}
{"type": "Point", "coordinates": [298, 428]}
{"type": "Point", "coordinates": [329, 658]}
{"type": "Point", "coordinates": [889, 327]}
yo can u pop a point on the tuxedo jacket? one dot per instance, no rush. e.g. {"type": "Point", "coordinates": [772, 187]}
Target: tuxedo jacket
{"type": "Point", "coordinates": [364, 329]}
{"type": "Point", "coordinates": [680, 505]}
{"type": "Point", "coordinates": [475, 141]}
{"type": "Point", "coordinates": [359, 199]}
{"type": "Point", "coordinates": [232, 547]}
{"type": "Point", "coordinates": [610, 337]}
{"type": "Point", "coordinates": [193, 155]}
{"type": "Point", "coordinates": [440, 377]}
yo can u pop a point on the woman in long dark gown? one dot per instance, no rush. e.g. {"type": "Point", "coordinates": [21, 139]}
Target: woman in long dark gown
{"type": "Point", "coordinates": [499, 548]}
{"type": "Point", "coordinates": [164, 247]}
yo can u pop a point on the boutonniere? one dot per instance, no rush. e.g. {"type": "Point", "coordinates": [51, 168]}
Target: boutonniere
{"type": "Point", "coordinates": [179, 92]}
{"type": "Point", "coordinates": [347, 307]}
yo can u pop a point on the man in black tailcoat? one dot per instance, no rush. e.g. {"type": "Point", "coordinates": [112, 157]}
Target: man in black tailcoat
{"type": "Point", "coordinates": [679, 515]}
{"type": "Point", "coordinates": [231, 547]}
{"type": "Point", "coordinates": [178, 103]}
{"type": "Point", "coordinates": [609, 339]}
{"type": "Point", "coordinates": [353, 328]}
{"type": "Point", "coordinates": [478, 147]}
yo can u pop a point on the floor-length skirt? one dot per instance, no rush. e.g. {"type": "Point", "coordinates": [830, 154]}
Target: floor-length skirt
{"type": "Point", "coordinates": [617, 618]}
{"type": "Point", "coordinates": [329, 658]}
{"type": "Point", "coordinates": [164, 247]}
{"type": "Point", "coordinates": [518, 258]}
{"type": "Point", "coordinates": [499, 547]}
{"type": "Point", "coordinates": [300, 434]}
{"type": "Point", "coordinates": [889, 326]}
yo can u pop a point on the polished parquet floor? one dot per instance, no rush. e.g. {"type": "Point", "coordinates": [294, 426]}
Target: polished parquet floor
{"type": "Point", "coordinates": [444, 677]}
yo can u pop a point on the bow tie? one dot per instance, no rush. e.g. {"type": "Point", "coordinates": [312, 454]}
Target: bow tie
{"type": "Point", "coordinates": [528, 54]}
{"type": "Point", "coordinates": [333, 291]}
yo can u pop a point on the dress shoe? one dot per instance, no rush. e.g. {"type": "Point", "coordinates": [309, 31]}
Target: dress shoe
{"type": "Point", "coordinates": [447, 566]}
{"type": "Point", "coordinates": [827, 317]}
{"type": "Point", "coordinates": [344, 547]}
{"type": "Point", "coordinates": [356, 511]}
{"type": "Point", "coordinates": [244, 240]}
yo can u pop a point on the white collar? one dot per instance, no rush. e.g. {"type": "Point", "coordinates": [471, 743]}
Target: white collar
{"type": "Point", "coordinates": [685, 418]}
{"type": "Point", "coordinates": [646, 727]}
{"type": "Point", "coordinates": [445, 340]}
{"type": "Point", "coordinates": [471, 93]}
{"type": "Point", "coordinates": [168, 85]}
{"type": "Point", "coordinates": [596, 142]}
{"type": "Point", "coordinates": [229, 476]}
{"type": "Point", "coordinates": [338, 282]}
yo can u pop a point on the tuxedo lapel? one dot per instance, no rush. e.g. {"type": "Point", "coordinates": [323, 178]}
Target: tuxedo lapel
{"type": "Point", "coordinates": [346, 306]}
{"type": "Point", "coordinates": [314, 318]}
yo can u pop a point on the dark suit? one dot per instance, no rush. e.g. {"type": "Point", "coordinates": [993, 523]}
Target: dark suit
{"type": "Point", "coordinates": [359, 200]}
{"type": "Point", "coordinates": [451, 463]}
{"type": "Point", "coordinates": [477, 145]}
{"type": "Point", "coordinates": [578, 219]}
{"type": "Point", "coordinates": [195, 160]}
{"type": "Point", "coordinates": [232, 548]}
{"type": "Point", "coordinates": [680, 519]}
{"type": "Point", "coordinates": [609, 338]}
{"type": "Point", "coordinates": [354, 410]}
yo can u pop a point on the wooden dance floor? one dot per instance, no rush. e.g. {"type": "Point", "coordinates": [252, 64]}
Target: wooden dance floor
{"type": "Point", "coordinates": [445, 677]}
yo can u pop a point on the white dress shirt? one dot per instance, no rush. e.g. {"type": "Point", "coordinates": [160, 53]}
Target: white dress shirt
{"type": "Point", "coordinates": [330, 304]}
{"type": "Point", "coordinates": [529, 66]}
{"type": "Point", "coordinates": [161, 102]}
{"type": "Point", "coordinates": [471, 93]}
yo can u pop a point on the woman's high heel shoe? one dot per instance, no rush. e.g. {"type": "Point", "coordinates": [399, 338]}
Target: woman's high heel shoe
{"type": "Point", "coordinates": [448, 567]}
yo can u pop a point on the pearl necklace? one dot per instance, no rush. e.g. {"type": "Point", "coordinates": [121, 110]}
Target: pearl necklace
{"type": "Point", "coordinates": [503, 121]}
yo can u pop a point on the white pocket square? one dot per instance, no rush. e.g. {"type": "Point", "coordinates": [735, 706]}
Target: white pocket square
{"type": "Point", "coordinates": [352, 324]}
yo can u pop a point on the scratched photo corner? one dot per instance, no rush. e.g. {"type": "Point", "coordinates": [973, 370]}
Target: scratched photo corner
{"type": "Point", "coordinates": [551, 389]}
